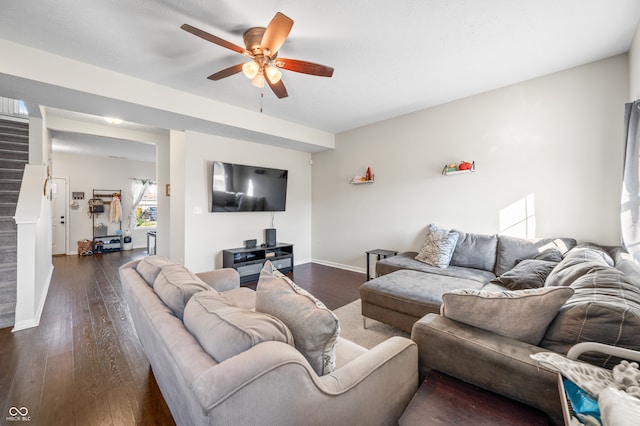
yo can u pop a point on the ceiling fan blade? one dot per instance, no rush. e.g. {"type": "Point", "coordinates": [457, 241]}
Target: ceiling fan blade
{"type": "Point", "coordinates": [226, 72]}
{"type": "Point", "coordinates": [213, 39]}
{"type": "Point", "coordinates": [278, 88]}
{"type": "Point", "coordinates": [276, 33]}
{"type": "Point", "coordinates": [304, 67]}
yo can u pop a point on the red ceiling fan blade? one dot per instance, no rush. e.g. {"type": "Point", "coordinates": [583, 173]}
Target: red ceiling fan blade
{"type": "Point", "coordinates": [226, 72]}
{"type": "Point", "coordinates": [304, 67]}
{"type": "Point", "coordinates": [276, 33]}
{"type": "Point", "coordinates": [278, 88]}
{"type": "Point", "coordinates": [213, 39]}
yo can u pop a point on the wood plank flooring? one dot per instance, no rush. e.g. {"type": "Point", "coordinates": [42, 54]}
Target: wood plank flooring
{"type": "Point", "coordinates": [84, 364]}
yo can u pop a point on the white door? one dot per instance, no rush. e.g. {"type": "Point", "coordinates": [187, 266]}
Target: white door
{"type": "Point", "coordinates": [59, 215]}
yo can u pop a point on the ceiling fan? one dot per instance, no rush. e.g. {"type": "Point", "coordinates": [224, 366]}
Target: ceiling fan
{"type": "Point", "coordinates": [262, 45]}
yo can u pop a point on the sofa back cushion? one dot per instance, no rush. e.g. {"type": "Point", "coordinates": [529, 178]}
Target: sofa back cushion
{"type": "Point", "coordinates": [149, 267]}
{"type": "Point", "coordinates": [175, 285]}
{"type": "Point", "coordinates": [315, 328]}
{"type": "Point", "coordinates": [605, 308]}
{"type": "Point", "coordinates": [522, 315]}
{"type": "Point", "coordinates": [511, 250]}
{"type": "Point", "coordinates": [475, 251]}
{"type": "Point", "coordinates": [225, 330]}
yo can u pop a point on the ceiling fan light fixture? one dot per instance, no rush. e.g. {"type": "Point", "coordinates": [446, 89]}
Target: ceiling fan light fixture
{"type": "Point", "coordinates": [112, 120]}
{"type": "Point", "coordinates": [258, 81]}
{"type": "Point", "coordinates": [273, 74]}
{"type": "Point", "coordinates": [250, 69]}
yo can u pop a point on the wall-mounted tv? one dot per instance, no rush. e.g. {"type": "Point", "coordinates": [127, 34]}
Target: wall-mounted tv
{"type": "Point", "coordinates": [242, 188]}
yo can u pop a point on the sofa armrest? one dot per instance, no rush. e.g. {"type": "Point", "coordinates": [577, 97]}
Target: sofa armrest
{"type": "Point", "coordinates": [490, 361]}
{"type": "Point", "coordinates": [221, 279]}
{"type": "Point", "coordinates": [384, 379]}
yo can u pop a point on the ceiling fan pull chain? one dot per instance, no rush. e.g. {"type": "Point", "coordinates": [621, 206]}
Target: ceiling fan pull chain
{"type": "Point", "coordinates": [261, 97]}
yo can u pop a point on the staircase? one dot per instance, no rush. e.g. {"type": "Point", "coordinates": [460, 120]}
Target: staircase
{"type": "Point", "coordinates": [14, 154]}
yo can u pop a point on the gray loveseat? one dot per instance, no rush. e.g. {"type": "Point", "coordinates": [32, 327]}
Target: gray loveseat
{"type": "Point", "coordinates": [269, 383]}
{"type": "Point", "coordinates": [604, 307]}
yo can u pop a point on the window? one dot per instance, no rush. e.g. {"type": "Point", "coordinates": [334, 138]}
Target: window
{"type": "Point", "coordinates": [144, 204]}
{"type": "Point", "coordinates": [147, 208]}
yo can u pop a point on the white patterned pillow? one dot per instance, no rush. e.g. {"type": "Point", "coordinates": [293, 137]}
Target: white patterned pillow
{"type": "Point", "coordinates": [589, 377]}
{"type": "Point", "coordinates": [438, 246]}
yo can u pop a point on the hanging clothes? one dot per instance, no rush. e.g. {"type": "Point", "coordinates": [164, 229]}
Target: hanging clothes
{"type": "Point", "coordinates": [116, 209]}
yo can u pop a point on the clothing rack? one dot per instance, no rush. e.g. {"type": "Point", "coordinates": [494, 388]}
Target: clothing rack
{"type": "Point", "coordinates": [109, 239]}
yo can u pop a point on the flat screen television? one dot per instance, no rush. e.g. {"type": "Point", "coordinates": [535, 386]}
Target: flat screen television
{"type": "Point", "coordinates": [242, 188]}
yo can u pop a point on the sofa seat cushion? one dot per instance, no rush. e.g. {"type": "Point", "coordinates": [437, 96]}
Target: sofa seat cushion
{"type": "Point", "coordinates": [605, 308]}
{"type": "Point", "coordinates": [225, 330]}
{"type": "Point", "coordinates": [406, 261]}
{"type": "Point", "coordinates": [315, 328]}
{"type": "Point", "coordinates": [512, 250]}
{"type": "Point", "coordinates": [411, 292]}
{"type": "Point", "coordinates": [522, 315]}
{"type": "Point", "coordinates": [475, 251]}
{"type": "Point", "coordinates": [149, 267]}
{"type": "Point", "coordinates": [175, 285]}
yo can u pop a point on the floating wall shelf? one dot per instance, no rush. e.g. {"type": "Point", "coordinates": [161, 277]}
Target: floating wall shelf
{"type": "Point", "coordinates": [358, 182]}
{"type": "Point", "coordinates": [446, 171]}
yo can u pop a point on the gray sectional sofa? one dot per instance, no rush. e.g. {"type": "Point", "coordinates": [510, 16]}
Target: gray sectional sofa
{"type": "Point", "coordinates": [219, 362]}
{"type": "Point", "coordinates": [410, 289]}
{"type": "Point", "coordinates": [603, 305]}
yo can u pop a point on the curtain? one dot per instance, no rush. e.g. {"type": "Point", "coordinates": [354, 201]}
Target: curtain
{"type": "Point", "coordinates": [630, 200]}
{"type": "Point", "coordinates": [138, 188]}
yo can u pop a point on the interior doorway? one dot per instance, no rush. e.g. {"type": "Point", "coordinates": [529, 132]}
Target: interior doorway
{"type": "Point", "coordinates": [59, 202]}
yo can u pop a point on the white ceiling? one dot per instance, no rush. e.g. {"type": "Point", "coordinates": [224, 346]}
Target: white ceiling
{"type": "Point", "coordinates": [390, 58]}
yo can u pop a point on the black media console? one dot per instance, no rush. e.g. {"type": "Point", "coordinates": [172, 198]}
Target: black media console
{"type": "Point", "coordinates": [249, 261]}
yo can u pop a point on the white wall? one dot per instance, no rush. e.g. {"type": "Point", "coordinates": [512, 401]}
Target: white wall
{"type": "Point", "coordinates": [206, 234]}
{"type": "Point", "coordinates": [634, 67]}
{"type": "Point", "coordinates": [559, 137]}
{"type": "Point", "coordinates": [87, 173]}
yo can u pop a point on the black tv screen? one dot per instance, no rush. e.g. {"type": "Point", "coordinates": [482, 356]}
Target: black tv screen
{"type": "Point", "coordinates": [241, 188]}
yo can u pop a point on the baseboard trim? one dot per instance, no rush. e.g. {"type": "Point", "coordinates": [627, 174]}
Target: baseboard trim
{"type": "Point", "coordinates": [339, 266]}
{"type": "Point", "coordinates": [34, 322]}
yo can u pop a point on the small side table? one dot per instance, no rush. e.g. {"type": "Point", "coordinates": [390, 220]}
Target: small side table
{"type": "Point", "coordinates": [381, 254]}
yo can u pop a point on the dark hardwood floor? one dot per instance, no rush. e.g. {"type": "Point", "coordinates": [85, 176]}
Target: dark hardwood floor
{"type": "Point", "coordinates": [84, 364]}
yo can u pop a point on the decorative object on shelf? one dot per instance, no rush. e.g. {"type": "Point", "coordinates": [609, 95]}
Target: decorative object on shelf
{"type": "Point", "coordinates": [462, 167]}
{"type": "Point", "coordinates": [367, 178]}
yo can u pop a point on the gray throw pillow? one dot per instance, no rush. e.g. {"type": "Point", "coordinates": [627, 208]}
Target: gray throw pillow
{"type": "Point", "coordinates": [225, 330]}
{"type": "Point", "coordinates": [550, 255]}
{"type": "Point", "coordinates": [315, 328]}
{"type": "Point", "coordinates": [438, 246]}
{"type": "Point", "coordinates": [522, 315]}
{"type": "Point", "coordinates": [529, 273]}
{"type": "Point", "coordinates": [175, 285]}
